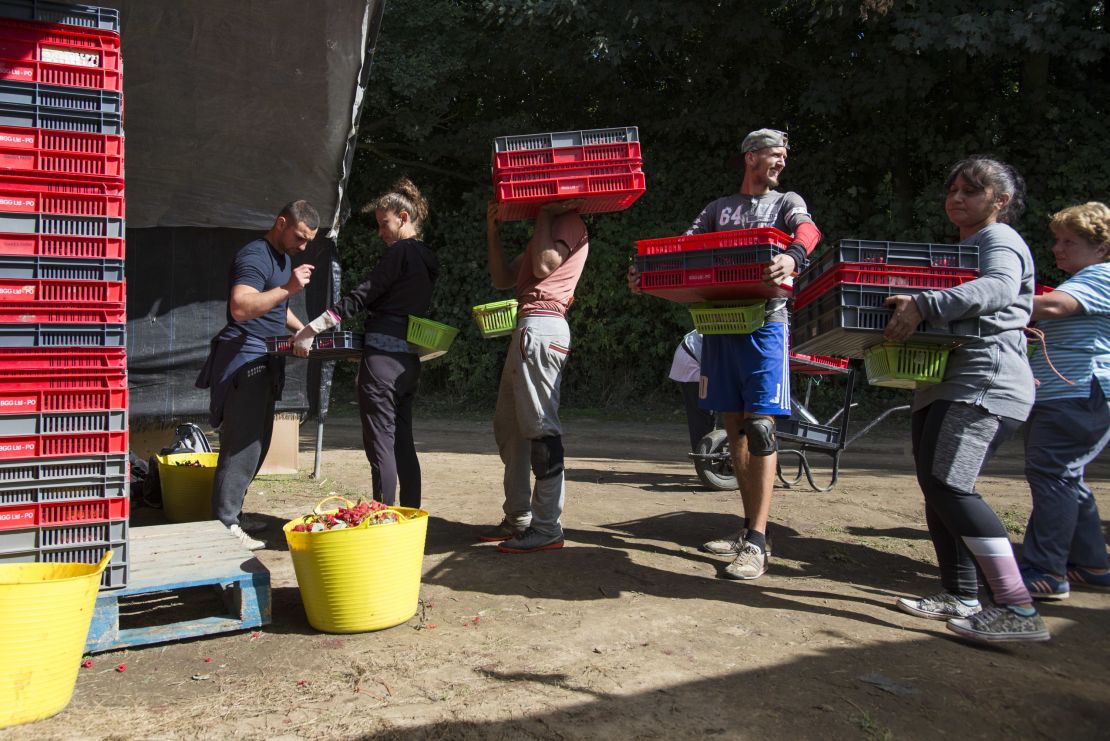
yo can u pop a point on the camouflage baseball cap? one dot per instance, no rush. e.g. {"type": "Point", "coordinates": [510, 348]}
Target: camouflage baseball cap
{"type": "Point", "coordinates": [763, 138]}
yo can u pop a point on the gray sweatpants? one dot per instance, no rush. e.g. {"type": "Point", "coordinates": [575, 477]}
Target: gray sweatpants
{"type": "Point", "coordinates": [528, 409]}
{"type": "Point", "coordinates": [244, 438]}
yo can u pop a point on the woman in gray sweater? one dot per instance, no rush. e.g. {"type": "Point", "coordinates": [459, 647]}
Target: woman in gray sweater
{"type": "Point", "coordinates": [986, 394]}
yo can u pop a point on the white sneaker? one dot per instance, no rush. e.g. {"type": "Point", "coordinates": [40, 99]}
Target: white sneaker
{"type": "Point", "coordinates": [252, 524]}
{"type": "Point", "coordinates": [248, 542]}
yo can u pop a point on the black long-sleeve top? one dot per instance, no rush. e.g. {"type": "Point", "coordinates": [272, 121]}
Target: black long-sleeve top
{"type": "Point", "coordinates": [400, 284]}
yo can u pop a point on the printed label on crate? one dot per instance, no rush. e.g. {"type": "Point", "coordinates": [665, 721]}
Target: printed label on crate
{"type": "Point", "coordinates": [9, 139]}
{"type": "Point", "coordinates": [23, 448]}
{"type": "Point", "coordinates": [17, 519]}
{"type": "Point", "coordinates": [17, 161]}
{"type": "Point", "coordinates": [69, 56]}
{"type": "Point", "coordinates": [14, 404]}
{"type": "Point", "coordinates": [14, 72]}
{"type": "Point", "coordinates": [18, 246]}
{"type": "Point", "coordinates": [15, 203]}
{"type": "Point", "coordinates": [17, 293]}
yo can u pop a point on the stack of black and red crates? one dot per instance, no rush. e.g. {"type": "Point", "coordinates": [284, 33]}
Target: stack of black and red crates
{"type": "Point", "coordinates": [840, 302]}
{"type": "Point", "coordinates": [63, 366]}
{"type": "Point", "coordinates": [602, 167]}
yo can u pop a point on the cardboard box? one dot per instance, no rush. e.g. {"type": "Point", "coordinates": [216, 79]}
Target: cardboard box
{"type": "Point", "coordinates": [284, 446]}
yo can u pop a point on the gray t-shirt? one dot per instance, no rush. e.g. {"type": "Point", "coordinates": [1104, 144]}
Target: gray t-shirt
{"type": "Point", "coordinates": [783, 211]}
{"type": "Point", "coordinates": [993, 371]}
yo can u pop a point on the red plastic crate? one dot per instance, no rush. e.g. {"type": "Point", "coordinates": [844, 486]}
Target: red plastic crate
{"type": "Point", "coordinates": [68, 391]}
{"type": "Point", "coordinates": [712, 284]}
{"type": "Point", "coordinates": [67, 291]}
{"type": "Point", "coordinates": [714, 240]}
{"type": "Point", "coordinates": [806, 368]}
{"type": "Point", "coordinates": [1040, 290]}
{"type": "Point", "coordinates": [61, 163]}
{"type": "Point", "coordinates": [24, 194]}
{"type": "Point", "coordinates": [602, 194]}
{"type": "Point", "coordinates": [45, 514]}
{"type": "Point", "coordinates": [53, 446]}
{"type": "Point", "coordinates": [562, 172]}
{"type": "Point", "coordinates": [18, 137]}
{"type": "Point", "coordinates": [618, 153]}
{"type": "Point", "coordinates": [882, 275]}
{"type": "Point", "coordinates": [31, 52]}
{"type": "Point", "coordinates": [49, 312]}
{"type": "Point", "coordinates": [61, 245]}
{"type": "Point", "coordinates": [54, 358]}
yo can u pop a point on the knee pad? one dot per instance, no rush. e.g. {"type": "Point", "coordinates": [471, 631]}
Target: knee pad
{"type": "Point", "coordinates": [547, 457]}
{"type": "Point", "coordinates": [760, 432]}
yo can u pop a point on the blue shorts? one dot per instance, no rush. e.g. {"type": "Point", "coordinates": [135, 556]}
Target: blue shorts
{"type": "Point", "coordinates": [747, 372]}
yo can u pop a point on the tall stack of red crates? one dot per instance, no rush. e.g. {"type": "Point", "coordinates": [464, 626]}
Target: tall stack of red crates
{"type": "Point", "coordinates": [63, 365]}
{"type": "Point", "coordinates": [603, 167]}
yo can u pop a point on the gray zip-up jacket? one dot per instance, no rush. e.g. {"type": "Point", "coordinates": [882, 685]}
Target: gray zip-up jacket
{"type": "Point", "coordinates": [992, 372]}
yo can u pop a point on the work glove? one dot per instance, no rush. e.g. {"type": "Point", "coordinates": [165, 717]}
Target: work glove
{"type": "Point", "coordinates": [302, 341]}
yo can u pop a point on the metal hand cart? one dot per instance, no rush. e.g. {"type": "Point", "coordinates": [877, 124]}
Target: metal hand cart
{"type": "Point", "coordinates": [799, 436]}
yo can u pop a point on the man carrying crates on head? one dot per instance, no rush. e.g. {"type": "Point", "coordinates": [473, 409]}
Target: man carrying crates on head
{"type": "Point", "coordinates": [526, 421]}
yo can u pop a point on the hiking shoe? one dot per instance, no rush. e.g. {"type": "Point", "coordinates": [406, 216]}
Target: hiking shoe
{"type": "Point", "coordinates": [1045, 586]}
{"type": "Point", "coordinates": [730, 546]}
{"type": "Point", "coordinates": [998, 624]}
{"type": "Point", "coordinates": [943, 606]}
{"type": "Point", "coordinates": [252, 524]}
{"type": "Point", "coordinates": [751, 563]}
{"type": "Point", "coordinates": [1086, 578]}
{"type": "Point", "coordinates": [531, 541]}
{"type": "Point", "coordinates": [503, 531]}
{"type": "Point", "coordinates": [248, 542]}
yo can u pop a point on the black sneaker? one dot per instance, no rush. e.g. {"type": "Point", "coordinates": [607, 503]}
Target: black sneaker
{"type": "Point", "coordinates": [531, 541]}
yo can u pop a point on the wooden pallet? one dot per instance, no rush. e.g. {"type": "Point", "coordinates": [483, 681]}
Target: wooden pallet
{"type": "Point", "coordinates": [176, 570]}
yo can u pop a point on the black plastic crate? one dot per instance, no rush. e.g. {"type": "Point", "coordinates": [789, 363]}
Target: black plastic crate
{"type": "Point", "coordinates": [81, 226]}
{"type": "Point", "coordinates": [711, 258]}
{"type": "Point", "coordinates": [45, 11]}
{"type": "Point", "coordinates": [914, 254]}
{"type": "Point", "coordinates": [325, 346]}
{"type": "Point", "coordinates": [61, 335]}
{"type": "Point", "coordinates": [61, 268]}
{"type": "Point", "coordinates": [555, 139]}
{"type": "Point", "coordinates": [809, 433]}
{"type": "Point", "coordinates": [61, 471]}
{"type": "Point", "coordinates": [70, 99]}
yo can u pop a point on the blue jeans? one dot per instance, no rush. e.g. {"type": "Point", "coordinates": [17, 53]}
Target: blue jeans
{"type": "Point", "coordinates": [1061, 438]}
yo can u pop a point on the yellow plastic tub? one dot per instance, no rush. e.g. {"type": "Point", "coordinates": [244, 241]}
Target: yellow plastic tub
{"type": "Point", "coordinates": [187, 490]}
{"type": "Point", "coordinates": [362, 578]}
{"type": "Point", "coordinates": [45, 613]}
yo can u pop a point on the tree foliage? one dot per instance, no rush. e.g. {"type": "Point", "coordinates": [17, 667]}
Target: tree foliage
{"type": "Point", "coordinates": [880, 99]}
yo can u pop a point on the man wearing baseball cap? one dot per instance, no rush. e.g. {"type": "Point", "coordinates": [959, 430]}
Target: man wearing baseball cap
{"type": "Point", "coordinates": [747, 376]}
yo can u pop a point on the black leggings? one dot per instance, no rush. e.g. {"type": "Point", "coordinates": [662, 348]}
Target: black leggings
{"type": "Point", "coordinates": [951, 444]}
{"type": "Point", "coordinates": [387, 383]}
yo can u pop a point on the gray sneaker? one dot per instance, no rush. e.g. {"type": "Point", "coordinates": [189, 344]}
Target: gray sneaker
{"type": "Point", "coordinates": [730, 546]}
{"type": "Point", "coordinates": [751, 563]}
{"type": "Point", "coordinates": [1000, 624]}
{"type": "Point", "coordinates": [943, 606]}
{"type": "Point", "coordinates": [504, 530]}
{"type": "Point", "coordinates": [531, 541]}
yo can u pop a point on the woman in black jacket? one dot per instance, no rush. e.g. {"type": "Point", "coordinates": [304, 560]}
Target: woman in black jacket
{"type": "Point", "coordinates": [399, 285]}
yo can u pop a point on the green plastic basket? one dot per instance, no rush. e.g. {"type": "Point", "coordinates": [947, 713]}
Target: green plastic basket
{"type": "Point", "coordinates": [728, 318]}
{"type": "Point", "coordinates": [904, 366]}
{"type": "Point", "coordinates": [431, 338]}
{"type": "Point", "coordinates": [496, 319]}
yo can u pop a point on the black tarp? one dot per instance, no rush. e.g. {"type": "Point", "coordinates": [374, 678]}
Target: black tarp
{"type": "Point", "coordinates": [232, 109]}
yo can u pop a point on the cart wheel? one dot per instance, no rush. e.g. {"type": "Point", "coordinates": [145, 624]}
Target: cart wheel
{"type": "Point", "coordinates": [715, 469]}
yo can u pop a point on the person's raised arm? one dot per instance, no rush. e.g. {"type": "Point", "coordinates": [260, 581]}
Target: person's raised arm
{"type": "Point", "coordinates": [247, 302]}
{"type": "Point", "coordinates": [502, 272]}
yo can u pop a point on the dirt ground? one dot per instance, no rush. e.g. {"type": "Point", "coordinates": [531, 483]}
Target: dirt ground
{"type": "Point", "coordinates": [627, 632]}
